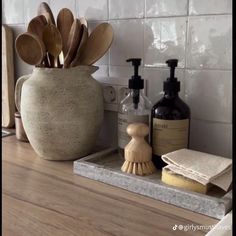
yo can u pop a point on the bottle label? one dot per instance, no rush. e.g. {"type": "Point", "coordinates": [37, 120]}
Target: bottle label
{"type": "Point", "coordinates": [169, 135]}
{"type": "Point", "coordinates": [123, 121]}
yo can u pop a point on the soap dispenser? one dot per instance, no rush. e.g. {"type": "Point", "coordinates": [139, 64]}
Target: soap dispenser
{"type": "Point", "coordinates": [170, 119]}
{"type": "Point", "coordinates": [135, 107]}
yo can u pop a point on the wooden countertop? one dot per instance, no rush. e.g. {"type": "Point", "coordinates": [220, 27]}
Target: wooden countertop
{"type": "Point", "coordinates": [45, 198]}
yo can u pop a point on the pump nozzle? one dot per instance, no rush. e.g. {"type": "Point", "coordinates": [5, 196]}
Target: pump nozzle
{"type": "Point", "coordinates": [136, 82]}
{"type": "Point", "coordinates": [136, 62]}
{"type": "Point", "coordinates": [172, 63]}
{"type": "Point", "coordinates": [171, 84]}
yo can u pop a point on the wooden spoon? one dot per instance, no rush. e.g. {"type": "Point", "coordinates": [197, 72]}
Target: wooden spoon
{"type": "Point", "coordinates": [65, 20]}
{"type": "Point", "coordinates": [45, 10]}
{"type": "Point", "coordinates": [36, 26]}
{"type": "Point", "coordinates": [73, 42]}
{"type": "Point", "coordinates": [53, 42]}
{"type": "Point", "coordinates": [30, 48]}
{"type": "Point", "coordinates": [82, 44]}
{"type": "Point", "coordinates": [97, 44]}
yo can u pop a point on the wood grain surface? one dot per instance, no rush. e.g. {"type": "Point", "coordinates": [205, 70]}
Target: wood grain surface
{"type": "Point", "coordinates": [45, 198]}
{"type": "Point", "coordinates": [8, 82]}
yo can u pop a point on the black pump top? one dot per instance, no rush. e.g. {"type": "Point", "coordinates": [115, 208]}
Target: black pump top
{"type": "Point", "coordinates": [171, 84]}
{"type": "Point", "coordinates": [136, 82]}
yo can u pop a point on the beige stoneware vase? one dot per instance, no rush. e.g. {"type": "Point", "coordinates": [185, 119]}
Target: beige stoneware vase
{"type": "Point", "coordinates": [62, 111]}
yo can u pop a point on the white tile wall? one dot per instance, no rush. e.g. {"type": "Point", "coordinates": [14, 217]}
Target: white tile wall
{"type": "Point", "coordinates": [123, 71]}
{"type": "Point", "coordinates": [198, 7]}
{"type": "Point", "coordinates": [31, 8]}
{"type": "Point", "coordinates": [123, 9]}
{"type": "Point", "coordinates": [156, 8]}
{"type": "Point", "coordinates": [209, 94]}
{"type": "Point", "coordinates": [164, 38]}
{"type": "Point", "coordinates": [210, 42]}
{"type": "Point", "coordinates": [128, 41]}
{"type": "Point", "coordinates": [212, 137]}
{"type": "Point", "coordinates": [57, 5]}
{"type": "Point", "coordinates": [92, 9]}
{"type": "Point", "coordinates": [13, 12]}
{"type": "Point", "coordinates": [197, 32]}
{"type": "Point", "coordinates": [102, 72]}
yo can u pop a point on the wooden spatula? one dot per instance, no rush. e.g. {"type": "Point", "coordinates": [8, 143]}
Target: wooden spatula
{"type": "Point", "coordinates": [97, 44]}
{"type": "Point", "coordinates": [65, 20]}
{"type": "Point", "coordinates": [82, 44]}
{"type": "Point", "coordinates": [73, 42]}
{"type": "Point", "coordinates": [30, 48]}
{"type": "Point", "coordinates": [53, 42]}
{"type": "Point", "coordinates": [45, 10]}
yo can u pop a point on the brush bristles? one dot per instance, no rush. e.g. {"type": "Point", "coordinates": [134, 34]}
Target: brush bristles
{"type": "Point", "coordinates": [142, 168]}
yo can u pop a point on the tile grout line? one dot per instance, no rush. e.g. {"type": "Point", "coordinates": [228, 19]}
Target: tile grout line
{"type": "Point", "coordinates": [109, 51]}
{"type": "Point", "coordinates": [186, 50]}
{"type": "Point", "coordinates": [178, 68]}
{"type": "Point", "coordinates": [170, 16]}
{"type": "Point", "coordinates": [75, 6]}
{"type": "Point", "coordinates": [144, 30]}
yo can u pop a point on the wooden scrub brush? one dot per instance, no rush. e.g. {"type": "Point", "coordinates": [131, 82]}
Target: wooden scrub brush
{"type": "Point", "coordinates": [138, 153]}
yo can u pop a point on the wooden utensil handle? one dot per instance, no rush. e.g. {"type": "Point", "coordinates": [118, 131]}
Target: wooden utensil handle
{"type": "Point", "coordinates": [46, 62]}
{"type": "Point", "coordinates": [51, 60]}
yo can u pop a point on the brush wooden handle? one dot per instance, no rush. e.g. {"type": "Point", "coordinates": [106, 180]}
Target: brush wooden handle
{"type": "Point", "coordinates": [138, 130]}
{"type": "Point", "coordinates": [138, 150]}
{"type": "Point", "coordinates": [138, 153]}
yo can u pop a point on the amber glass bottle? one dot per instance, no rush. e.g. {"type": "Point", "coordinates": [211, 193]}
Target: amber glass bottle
{"type": "Point", "coordinates": [170, 119]}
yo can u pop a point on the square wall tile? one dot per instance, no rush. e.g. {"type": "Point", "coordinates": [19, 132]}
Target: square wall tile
{"type": "Point", "coordinates": [13, 12]}
{"type": "Point", "coordinates": [214, 138]}
{"type": "Point", "coordinates": [209, 94]}
{"type": "Point", "coordinates": [57, 5]}
{"type": "Point", "coordinates": [157, 8]}
{"type": "Point", "coordinates": [31, 9]}
{"type": "Point", "coordinates": [164, 38]}
{"type": "Point", "coordinates": [155, 78]}
{"type": "Point", "coordinates": [198, 7]}
{"type": "Point", "coordinates": [128, 41]}
{"type": "Point", "coordinates": [92, 9]}
{"type": "Point", "coordinates": [123, 9]}
{"type": "Point", "coordinates": [104, 60]}
{"type": "Point", "coordinates": [209, 42]}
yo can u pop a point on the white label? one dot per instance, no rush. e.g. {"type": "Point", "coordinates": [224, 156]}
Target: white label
{"type": "Point", "coordinates": [123, 121]}
{"type": "Point", "coordinates": [169, 135]}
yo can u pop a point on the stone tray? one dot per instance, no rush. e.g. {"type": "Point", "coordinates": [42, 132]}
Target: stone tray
{"type": "Point", "coordinates": [104, 166]}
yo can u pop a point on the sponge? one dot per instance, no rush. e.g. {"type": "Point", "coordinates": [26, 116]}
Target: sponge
{"type": "Point", "coordinates": [171, 178]}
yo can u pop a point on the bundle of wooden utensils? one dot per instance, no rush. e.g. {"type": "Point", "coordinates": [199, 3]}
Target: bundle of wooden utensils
{"type": "Point", "coordinates": [62, 44]}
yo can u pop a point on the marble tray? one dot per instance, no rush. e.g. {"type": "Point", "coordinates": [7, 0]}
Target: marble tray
{"type": "Point", "coordinates": [105, 166]}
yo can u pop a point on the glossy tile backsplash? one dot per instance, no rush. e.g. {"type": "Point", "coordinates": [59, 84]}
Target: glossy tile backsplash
{"type": "Point", "coordinates": [197, 32]}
